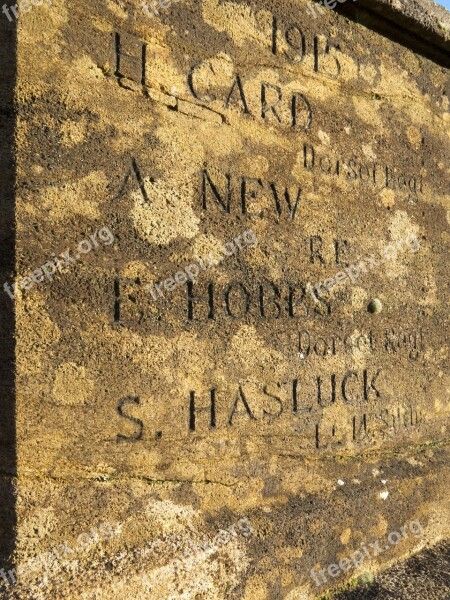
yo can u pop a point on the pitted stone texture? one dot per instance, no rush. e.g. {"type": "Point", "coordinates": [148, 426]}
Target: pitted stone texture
{"type": "Point", "coordinates": [426, 575]}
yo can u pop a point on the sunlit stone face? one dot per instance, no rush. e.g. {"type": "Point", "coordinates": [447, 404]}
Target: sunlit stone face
{"type": "Point", "coordinates": [231, 353]}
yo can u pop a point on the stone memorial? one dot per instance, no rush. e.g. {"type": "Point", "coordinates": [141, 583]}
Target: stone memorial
{"type": "Point", "coordinates": [224, 296]}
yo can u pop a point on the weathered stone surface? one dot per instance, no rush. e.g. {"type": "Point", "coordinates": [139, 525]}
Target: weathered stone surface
{"type": "Point", "coordinates": [425, 575]}
{"type": "Point", "coordinates": [313, 422]}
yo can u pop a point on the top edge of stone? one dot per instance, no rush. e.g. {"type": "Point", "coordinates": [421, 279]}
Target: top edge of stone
{"type": "Point", "coordinates": [423, 20]}
{"type": "Point", "coordinates": [425, 13]}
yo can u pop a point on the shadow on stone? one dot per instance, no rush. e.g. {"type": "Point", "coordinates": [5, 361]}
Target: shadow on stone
{"type": "Point", "coordinates": [413, 33]}
{"type": "Point", "coordinates": [8, 465]}
{"type": "Point", "coordinates": [425, 575]}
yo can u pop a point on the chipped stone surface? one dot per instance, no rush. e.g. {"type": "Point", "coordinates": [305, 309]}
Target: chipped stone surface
{"type": "Point", "coordinates": [425, 575]}
{"type": "Point", "coordinates": [272, 151]}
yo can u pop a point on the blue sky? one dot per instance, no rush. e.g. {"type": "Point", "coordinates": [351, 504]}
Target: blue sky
{"type": "Point", "coordinates": [445, 3]}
